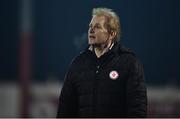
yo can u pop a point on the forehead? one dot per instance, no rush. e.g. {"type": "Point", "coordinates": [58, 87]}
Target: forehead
{"type": "Point", "coordinates": [98, 20]}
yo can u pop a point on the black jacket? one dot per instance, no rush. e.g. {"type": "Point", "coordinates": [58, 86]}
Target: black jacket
{"type": "Point", "coordinates": [90, 90]}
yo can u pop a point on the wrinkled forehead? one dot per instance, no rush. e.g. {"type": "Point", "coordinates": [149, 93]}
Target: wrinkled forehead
{"type": "Point", "coordinates": [98, 20]}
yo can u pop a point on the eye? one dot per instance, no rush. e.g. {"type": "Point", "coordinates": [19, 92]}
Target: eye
{"type": "Point", "coordinates": [98, 26]}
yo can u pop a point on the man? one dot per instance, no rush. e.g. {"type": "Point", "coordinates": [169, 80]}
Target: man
{"type": "Point", "coordinates": [106, 80]}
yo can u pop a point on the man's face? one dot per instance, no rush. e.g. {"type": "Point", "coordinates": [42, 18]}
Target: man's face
{"type": "Point", "coordinates": [97, 33]}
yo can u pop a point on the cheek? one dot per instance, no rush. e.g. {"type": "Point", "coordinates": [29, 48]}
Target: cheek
{"type": "Point", "coordinates": [103, 35]}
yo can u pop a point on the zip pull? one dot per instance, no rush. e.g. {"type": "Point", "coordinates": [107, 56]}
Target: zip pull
{"type": "Point", "coordinates": [97, 69]}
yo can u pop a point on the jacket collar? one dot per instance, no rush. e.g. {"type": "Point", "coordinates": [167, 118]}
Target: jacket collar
{"type": "Point", "coordinates": [111, 48]}
{"type": "Point", "coordinates": [116, 49]}
{"type": "Point", "coordinates": [91, 48]}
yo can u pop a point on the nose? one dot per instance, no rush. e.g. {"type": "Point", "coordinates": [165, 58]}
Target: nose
{"type": "Point", "coordinates": [91, 30]}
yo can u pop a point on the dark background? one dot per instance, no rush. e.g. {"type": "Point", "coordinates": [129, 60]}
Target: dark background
{"type": "Point", "coordinates": [149, 27]}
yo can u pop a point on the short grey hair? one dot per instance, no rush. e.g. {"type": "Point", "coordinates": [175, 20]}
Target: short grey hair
{"type": "Point", "coordinates": [113, 21]}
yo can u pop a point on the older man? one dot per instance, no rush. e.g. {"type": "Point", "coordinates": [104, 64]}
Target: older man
{"type": "Point", "coordinates": [107, 79]}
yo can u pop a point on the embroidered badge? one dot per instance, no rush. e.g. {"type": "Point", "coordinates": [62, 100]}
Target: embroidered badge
{"type": "Point", "coordinates": [113, 75]}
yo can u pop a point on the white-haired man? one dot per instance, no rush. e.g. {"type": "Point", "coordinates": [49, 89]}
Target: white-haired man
{"type": "Point", "coordinates": [106, 80]}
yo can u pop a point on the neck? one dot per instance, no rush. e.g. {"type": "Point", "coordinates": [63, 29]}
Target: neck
{"type": "Point", "coordinates": [103, 48]}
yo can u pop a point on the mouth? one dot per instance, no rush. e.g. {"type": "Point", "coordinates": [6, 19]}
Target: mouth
{"type": "Point", "coordinates": [92, 37]}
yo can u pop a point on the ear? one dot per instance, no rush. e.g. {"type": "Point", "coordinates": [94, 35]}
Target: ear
{"type": "Point", "coordinates": [113, 34]}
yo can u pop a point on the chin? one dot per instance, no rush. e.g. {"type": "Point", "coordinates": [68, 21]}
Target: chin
{"type": "Point", "coordinates": [91, 42]}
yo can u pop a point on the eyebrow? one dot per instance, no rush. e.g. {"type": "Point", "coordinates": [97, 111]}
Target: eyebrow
{"type": "Point", "coordinates": [95, 24]}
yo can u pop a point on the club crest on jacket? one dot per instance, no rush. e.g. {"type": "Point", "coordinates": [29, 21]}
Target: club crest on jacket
{"type": "Point", "coordinates": [113, 75]}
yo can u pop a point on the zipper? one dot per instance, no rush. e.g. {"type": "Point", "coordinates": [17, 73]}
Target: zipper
{"type": "Point", "coordinates": [95, 87]}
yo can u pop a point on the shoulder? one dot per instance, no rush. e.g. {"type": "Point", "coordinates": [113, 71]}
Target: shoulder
{"type": "Point", "coordinates": [129, 56]}
{"type": "Point", "coordinates": [80, 58]}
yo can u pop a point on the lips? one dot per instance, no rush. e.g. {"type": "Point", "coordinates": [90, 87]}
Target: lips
{"type": "Point", "coordinates": [92, 37]}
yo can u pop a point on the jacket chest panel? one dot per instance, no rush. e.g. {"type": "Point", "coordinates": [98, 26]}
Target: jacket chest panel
{"type": "Point", "coordinates": [111, 79]}
{"type": "Point", "coordinates": [108, 79]}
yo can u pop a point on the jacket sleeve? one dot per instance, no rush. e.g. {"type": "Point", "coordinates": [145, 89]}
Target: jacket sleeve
{"type": "Point", "coordinates": [68, 99]}
{"type": "Point", "coordinates": [136, 91]}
